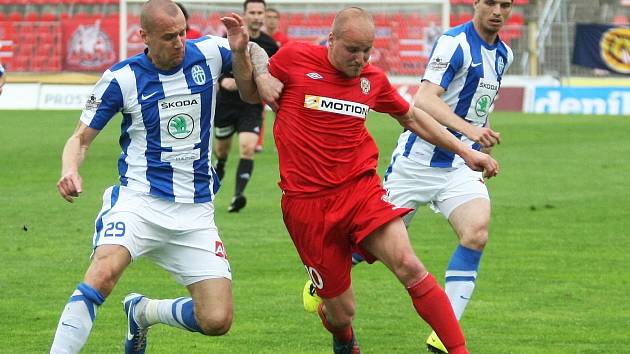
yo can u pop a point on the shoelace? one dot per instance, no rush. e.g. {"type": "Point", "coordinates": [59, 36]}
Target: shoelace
{"type": "Point", "coordinates": [140, 339]}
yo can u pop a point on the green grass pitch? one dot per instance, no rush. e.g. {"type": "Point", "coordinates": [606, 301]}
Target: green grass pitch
{"type": "Point", "coordinates": [555, 276]}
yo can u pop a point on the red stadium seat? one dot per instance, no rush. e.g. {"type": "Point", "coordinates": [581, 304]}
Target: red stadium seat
{"type": "Point", "coordinates": [15, 16]}
{"type": "Point", "coordinates": [48, 16]}
{"type": "Point", "coordinates": [31, 16]}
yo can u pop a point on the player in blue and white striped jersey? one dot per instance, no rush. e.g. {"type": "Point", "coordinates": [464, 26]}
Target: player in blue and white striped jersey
{"type": "Point", "coordinates": [458, 89]}
{"type": "Point", "coordinates": [163, 207]}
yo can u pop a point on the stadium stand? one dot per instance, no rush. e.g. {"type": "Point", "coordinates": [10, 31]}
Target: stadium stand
{"type": "Point", "coordinates": [403, 37]}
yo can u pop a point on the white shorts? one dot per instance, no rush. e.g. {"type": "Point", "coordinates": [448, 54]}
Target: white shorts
{"type": "Point", "coordinates": [410, 184]}
{"type": "Point", "coordinates": [180, 237]}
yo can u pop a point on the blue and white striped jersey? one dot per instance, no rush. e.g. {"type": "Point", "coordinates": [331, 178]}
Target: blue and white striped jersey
{"type": "Point", "coordinates": [167, 120]}
{"type": "Point", "coordinates": [470, 70]}
{"type": "Point", "coordinates": [1, 70]}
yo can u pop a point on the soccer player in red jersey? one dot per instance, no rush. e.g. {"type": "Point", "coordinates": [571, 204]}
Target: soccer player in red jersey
{"type": "Point", "coordinates": [333, 201]}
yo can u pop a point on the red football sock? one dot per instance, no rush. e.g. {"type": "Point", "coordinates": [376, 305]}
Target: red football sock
{"type": "Point", "coordinates": [343, 335]}
{"type": "Point", "coordinates": [433, 306]}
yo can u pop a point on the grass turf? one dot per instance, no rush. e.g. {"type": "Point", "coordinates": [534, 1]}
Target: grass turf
{"type": "Point", "coordinates": [554, 277]}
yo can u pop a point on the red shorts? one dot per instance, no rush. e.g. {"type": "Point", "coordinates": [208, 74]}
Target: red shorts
{"type": "Point", "coordinates": [327, 226]}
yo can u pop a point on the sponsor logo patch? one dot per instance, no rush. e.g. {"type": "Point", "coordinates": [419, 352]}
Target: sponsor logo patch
{"type": "Point", "coordinates": [327, 104]}
{"type": "Point", "coordinates": [314, 76]}
{"type": "Point", "coordinates": [92, 103]}
{"type": "Point", "coordinates": [180, 126]}
{"type": "Point", "coordinates": [438, 65]}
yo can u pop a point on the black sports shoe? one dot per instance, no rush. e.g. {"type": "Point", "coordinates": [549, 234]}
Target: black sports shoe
{"type": "Point", "coordinates": [238, 203]}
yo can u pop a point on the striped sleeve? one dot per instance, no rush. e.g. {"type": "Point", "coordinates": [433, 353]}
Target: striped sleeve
{"type": "Point", "coordinates": [446, 59]}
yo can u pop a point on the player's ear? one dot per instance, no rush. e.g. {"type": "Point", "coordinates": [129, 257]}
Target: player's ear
{"type": "Point", "coordinates": [144, 35]}
{"type": "Point", "coordinates": [331, 38]}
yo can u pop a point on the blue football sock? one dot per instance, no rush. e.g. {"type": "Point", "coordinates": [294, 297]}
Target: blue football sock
{"type": "Point", "coordinates": [76, 320]}
{"type": "Point", "coordinates": [461, 275]}
{"type": "Point", "coordinates": [173, 312]}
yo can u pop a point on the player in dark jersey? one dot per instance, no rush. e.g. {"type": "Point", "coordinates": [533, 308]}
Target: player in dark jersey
{"type": "Point", "coordinates": [235, 116]}
{"type": "Point", "coordinates": [332, 200]}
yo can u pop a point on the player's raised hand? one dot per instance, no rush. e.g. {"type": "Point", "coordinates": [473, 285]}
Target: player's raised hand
{"type": "Point", "coordinates": [479, 161]}
{"type": "Point", "coordinates": [269, 89]}
{"type": "Point", "coordinates": [486, 137]}
{"type": "Point", "coordinates": [70, 186]}
{"type": "Point", "coordinates": [236, 32]}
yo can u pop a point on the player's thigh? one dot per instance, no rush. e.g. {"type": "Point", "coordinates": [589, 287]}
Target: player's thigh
{"type": "Point", "coordinates": [107, 266]}
{"type": "Point", "coordinates": [390, 244]}
{"type": "Point", "coordinates": [325, 250]}
{"type": "Point", "coordinates": [470, 221]}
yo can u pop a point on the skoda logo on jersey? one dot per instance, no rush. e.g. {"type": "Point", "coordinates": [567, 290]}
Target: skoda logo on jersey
{"type": "Point", "coordinates": [181, 126]}
{"type": "Point", "coordinates": [500, 66]}
{"type": "Point", "coordinates": [365, 85]}
{"type": "Point", "coordinates": [198, 75]}
{"type": "Point", "coordinates": [483, 105]}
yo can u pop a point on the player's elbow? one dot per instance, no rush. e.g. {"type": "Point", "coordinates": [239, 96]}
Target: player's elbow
{"type": "Point", "coordinates": [424, 101]}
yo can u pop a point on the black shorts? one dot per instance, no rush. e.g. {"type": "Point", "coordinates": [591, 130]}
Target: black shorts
{"type": "Point", "coordinates": [242, 118]}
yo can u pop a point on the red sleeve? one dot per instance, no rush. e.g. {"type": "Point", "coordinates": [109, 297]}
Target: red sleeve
{"type": "Point", "coordinates": [389, 100]}
{"type": "Point", "coordinates": [279, 63]}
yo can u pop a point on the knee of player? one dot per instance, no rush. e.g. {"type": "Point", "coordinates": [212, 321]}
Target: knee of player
{"type": "Point", "coordinates": [215, 323]}
{"type": "Point", "coordinates": [248, 151]}
{"type": "Point", "coordinates": [475, 238]}
{"type": "Point", "coordinates": [343, 317]}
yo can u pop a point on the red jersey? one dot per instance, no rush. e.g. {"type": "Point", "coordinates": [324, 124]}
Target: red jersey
{"type": "Point", "coordinates": [320, 128]}
{"type": "Point", "coordinates": [192, 33]}
{"type": "Point", "coordinates": [280, 38]}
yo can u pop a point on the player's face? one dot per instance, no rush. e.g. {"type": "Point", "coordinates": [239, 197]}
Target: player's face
{"type": "Point", "coordinates": [271, 20]}
{"type": "Point", "coordinates": [491, 15]}
{"type": "Point", "coordinates": [166, 41]}
{"type": "Point", "coordinates": [350, 52]}
{"type": "Point", "coordinates": [254, 16]}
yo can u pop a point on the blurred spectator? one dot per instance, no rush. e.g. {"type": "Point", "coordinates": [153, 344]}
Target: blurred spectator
{"type": "Point", "coordinates": [191, 33]}
{"type": "Point", "coordinates": [2, 77]}
{"type": "Point", "coordinates": [272, 21]}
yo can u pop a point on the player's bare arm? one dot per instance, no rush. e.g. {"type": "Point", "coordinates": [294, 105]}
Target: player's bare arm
{"type": "Point", "coordinates": [430, 130]}
{"type": "Point", "coordinates": [70, 185]}
{"type": "Point", "coordinates": [242, 68]}
{"type": "Point", "coordinates": [269, 88]}
{"type": "Point", "coordinates": [428, 98]}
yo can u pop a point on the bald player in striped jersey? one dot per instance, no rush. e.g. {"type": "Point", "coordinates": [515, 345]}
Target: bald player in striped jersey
{"type": "Point", "coordinates": [163, 207]}
{"type": "Point", "coordinates": [458, 89]}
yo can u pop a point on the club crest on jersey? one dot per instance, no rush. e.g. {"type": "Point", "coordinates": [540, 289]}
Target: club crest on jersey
{"type": "Point", "coordinates": [92, 103]}
{"type": "Point", "coordinates": [198, 75]}
{"type": "Point", "coordinates": [483, 105]}
{"type": "Point", "coordinates": [181, 126]}
{"type": "Point", "coordinates": [500, 66]}
{"type": "Point", "coordinates": [327, 104]}
{"type": "Point", "coordinates": [365, 85]}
